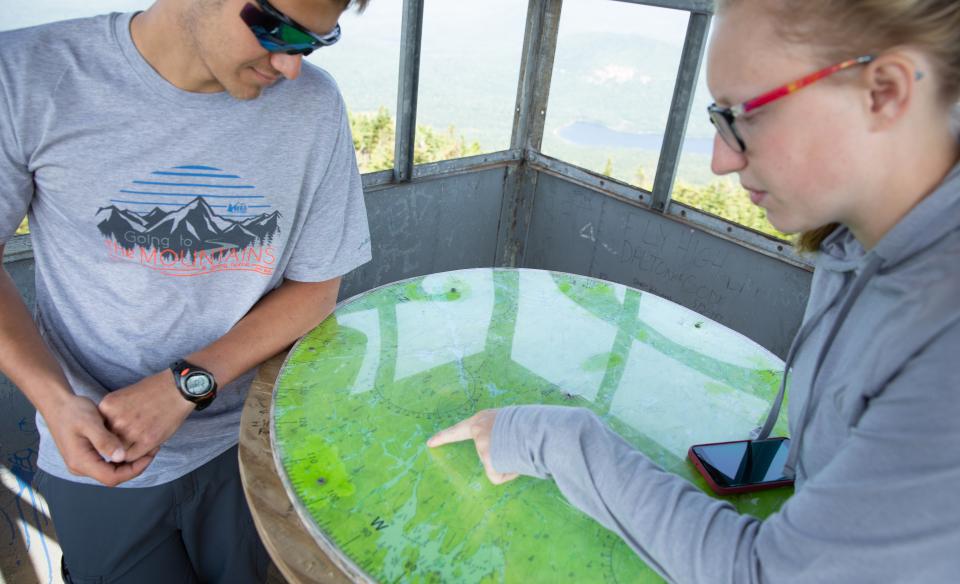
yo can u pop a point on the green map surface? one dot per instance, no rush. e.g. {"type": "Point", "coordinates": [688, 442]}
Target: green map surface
{"type": "Point", "coordinates": [358, 397]}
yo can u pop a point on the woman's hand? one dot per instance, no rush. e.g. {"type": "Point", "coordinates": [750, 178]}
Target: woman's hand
{"type": "Point", "coordinates": [477, 428]}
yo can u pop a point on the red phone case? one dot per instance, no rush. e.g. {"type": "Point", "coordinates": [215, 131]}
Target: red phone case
{"type": "Point", "coordinates": [731, 490]}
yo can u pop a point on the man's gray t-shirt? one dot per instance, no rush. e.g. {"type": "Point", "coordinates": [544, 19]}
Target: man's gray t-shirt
{"type": "Point", "coordinates": [160, 217]}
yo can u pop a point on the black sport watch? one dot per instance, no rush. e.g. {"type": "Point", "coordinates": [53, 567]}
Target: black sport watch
{"type": "Point", "coordinates": [196, 384]}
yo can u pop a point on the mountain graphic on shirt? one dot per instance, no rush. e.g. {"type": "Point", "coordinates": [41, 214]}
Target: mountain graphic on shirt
{"type": "Point", "coordinates": [154, 216]}
{"type": "Point", "coordinates": [190, 228]}
{"type": "Point", "coordinates": [122, 217]}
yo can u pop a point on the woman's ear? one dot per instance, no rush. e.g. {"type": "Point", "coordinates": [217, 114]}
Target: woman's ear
{"type": "Point", "coordinates": [891, 81]}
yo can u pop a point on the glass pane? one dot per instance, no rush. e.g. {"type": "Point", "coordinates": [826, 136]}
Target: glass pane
{"type": "Point", "coordinates": [365, 63]}
{"type": "Point", "coordinates": [696, 184]}
{"type": "Point", "coordinates": [470, 63]}
{"type": "Point", "coordinates": [613, 78]}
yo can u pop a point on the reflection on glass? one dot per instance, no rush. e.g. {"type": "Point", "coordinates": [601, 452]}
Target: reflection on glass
{"type": "Point", "coordinates": [672, 403]}
{"type": "Point", "coordinates": [574, 351]}
{"type": "Point", "coordinates": [690, 330]}
{"type": "Point", "coordinates": [368, 323]}
{"type": "Point", "coordinates": [453, 340]}
{"type": "Point", "coordinates": [448, 326]}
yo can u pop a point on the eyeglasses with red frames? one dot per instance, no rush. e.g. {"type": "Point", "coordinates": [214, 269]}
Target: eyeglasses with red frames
{"type": "Point", "coordinates": [724, 118]}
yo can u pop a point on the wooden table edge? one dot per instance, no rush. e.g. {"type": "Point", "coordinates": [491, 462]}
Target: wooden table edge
{"type": "Point", "coordinates": [294, 550]}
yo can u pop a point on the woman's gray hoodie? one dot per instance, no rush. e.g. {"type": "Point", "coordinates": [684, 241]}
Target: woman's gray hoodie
{"type": "Point", "coordinates": [877, 450]}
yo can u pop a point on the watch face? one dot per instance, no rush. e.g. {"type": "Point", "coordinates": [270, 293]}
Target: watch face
{"type": "Point", "coordinates": [197, 384]}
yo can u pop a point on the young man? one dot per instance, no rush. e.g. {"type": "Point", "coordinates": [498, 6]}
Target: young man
{"type": "Point", "coordinates": [192, 211]}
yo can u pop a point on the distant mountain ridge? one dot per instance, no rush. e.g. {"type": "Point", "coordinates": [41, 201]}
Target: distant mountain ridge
{"type": "Point", "coordinates": [193, 227]}
{"type": "Point", "coordinates": [471, 98]}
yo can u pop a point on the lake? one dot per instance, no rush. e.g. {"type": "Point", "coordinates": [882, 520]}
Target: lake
{"type": "Point", "coordinates": [597, 135]}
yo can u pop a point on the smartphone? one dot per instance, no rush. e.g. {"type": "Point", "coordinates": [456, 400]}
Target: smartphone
{"type": "Point", "coordinates": [742, 466]}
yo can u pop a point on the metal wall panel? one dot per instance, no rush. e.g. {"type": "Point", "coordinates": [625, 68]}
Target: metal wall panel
{"type": "Point", "coordinates": [23, 276]}
{"type": "Point", "coordinates": [430, 225]}
{"type": "Point", "coordinates": [577, 229]}
{"type": "Point", "coordinates": [533, 92]}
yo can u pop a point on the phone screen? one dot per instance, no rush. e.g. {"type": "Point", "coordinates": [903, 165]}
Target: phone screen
{"type": "Point", "coordinates": [748, 462]}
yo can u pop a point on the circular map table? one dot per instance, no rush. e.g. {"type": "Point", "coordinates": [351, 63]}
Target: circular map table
{"type": "Point", "coordinates": [358, 397]}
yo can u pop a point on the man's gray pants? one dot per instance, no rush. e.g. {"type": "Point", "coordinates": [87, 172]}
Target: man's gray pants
{"type": "Point", "coordinates": [194, 529]}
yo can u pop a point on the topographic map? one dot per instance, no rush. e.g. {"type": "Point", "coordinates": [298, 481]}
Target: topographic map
{"type": "Point", "coordinates": [359, 396]}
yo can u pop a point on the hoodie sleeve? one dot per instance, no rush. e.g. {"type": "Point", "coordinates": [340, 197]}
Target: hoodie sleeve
{"type": "Point", "coordinates": [883, 509]}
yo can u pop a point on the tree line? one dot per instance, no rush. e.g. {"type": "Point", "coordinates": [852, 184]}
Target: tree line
{"type": "Point", "coordinates": [373, 139]}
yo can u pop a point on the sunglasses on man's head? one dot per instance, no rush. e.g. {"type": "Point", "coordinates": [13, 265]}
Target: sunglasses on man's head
{"type": "Point", "coordinates": [724, 118]}
{"type": "Point", "coordinates": [278, 33]}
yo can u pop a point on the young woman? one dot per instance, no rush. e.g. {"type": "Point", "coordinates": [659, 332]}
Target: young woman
{"type": "Point", "coordinates": [860, 156]}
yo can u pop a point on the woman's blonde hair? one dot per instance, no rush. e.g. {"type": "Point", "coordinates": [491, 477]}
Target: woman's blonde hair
{"type": "Point", "coordinates": [843, 29]}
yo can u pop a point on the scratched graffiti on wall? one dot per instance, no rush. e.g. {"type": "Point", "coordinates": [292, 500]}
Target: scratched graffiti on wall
{"type": "Point", "coordinates": [28, 547]}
